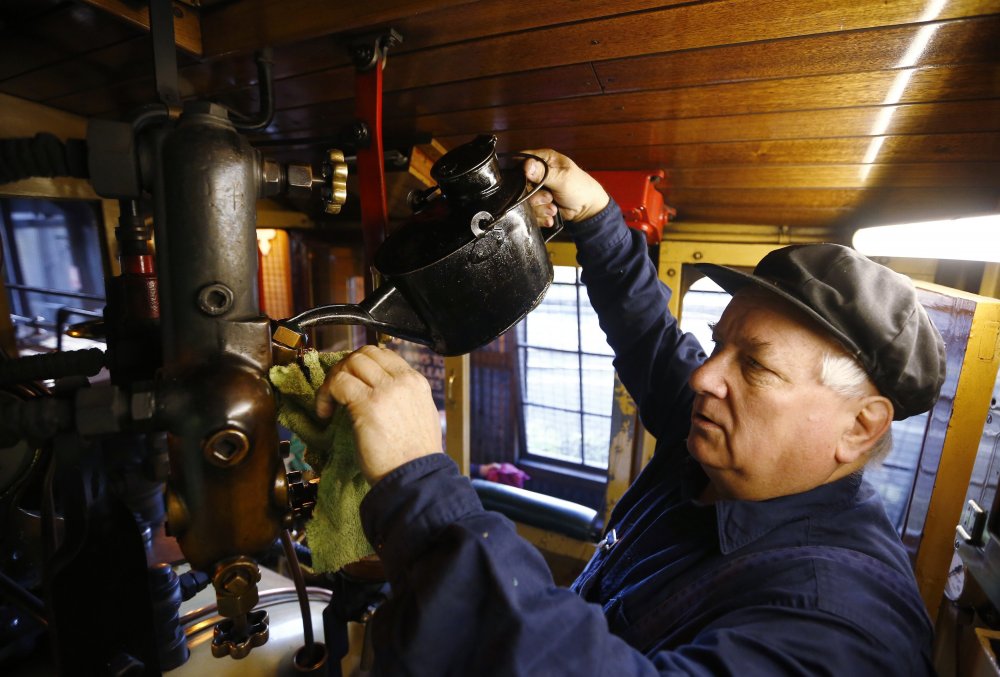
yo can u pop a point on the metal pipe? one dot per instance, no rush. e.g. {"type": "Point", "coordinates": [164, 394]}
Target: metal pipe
{"type": "Point", "coordinates": [300, 590]}
{"type": "Point", "coordinates": [265, 85]}
{"type": "Point", "coordinates": [55, 292]}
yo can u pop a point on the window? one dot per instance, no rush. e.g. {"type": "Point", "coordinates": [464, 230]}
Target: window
{"type": "Point", "coordinates": [52, 269]}
{"type": "Point", "coordinates": [566, 378]}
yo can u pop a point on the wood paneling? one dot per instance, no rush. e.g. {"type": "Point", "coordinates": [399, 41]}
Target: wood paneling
{"type": "Point", "coordinates": [464, 20]}
{"type": "Point", "coordinates": [269, 22]}
{"type": "Point", "coordinates": [947, 83]}
{"type": "Point", "coordinates": [974, 147]}
{"type": "Point", "coordinates": [950, 42]}
{"type": "Point", "coordinates": [956, 175]}
{"type": "Point", "coordinates": [806, 112]}
{"type": "Point", "coordinates": [949, 117]}
{"type": "Point", "coordinates": [187, 23]}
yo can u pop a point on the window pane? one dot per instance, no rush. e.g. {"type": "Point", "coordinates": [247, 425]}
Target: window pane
{"type": "Point", "coordinates": [551, 379]}
{"type": "Point", "coordinates": [597, 439]}
{"type": "Point", "coordinates": [566, 391]}
{"type": "Point", "coordinates": [553, 323]}
{"type": "Point", "coordinates": [564, 274]}
{"type": "Point", "coordinates": [700, 308]}
{"type": "Point", "coordinates": [552, 433]}
{"type": "Point", "coordinates": [591, 334]}
{"type": "Point", "coordinates": [598, 384]}
{"type": "Point", "coordinates": [51, 247]}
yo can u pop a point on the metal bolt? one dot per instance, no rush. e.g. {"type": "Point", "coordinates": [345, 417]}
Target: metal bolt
{"type": "Point", "coordinates": [271, 177]}
{"type": "Point", "coordinates": [227, 447]}
{"type": "Point", "coordinates": [236, 583]}
{"type": "Point", "coordinates": [359, 133]}
{"type": "Point", "coordinates": [215, 299]}
{"type": "Point", "coordinates": [364, 56]}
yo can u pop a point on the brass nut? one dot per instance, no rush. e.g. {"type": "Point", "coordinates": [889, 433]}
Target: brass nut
{"type": "Point", "coordinates": [226, 447]}
{"type": "Point", "coordinates": [235, 582]}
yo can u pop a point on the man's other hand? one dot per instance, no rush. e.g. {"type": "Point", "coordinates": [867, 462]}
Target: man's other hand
{"type": "Point", "coordinates": [395, 420]}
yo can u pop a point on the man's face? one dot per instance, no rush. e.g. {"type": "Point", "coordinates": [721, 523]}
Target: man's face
{"type": "Point", "coordinates": [762, 424]}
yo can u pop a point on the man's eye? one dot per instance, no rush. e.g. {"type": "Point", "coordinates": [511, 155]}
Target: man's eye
{"type": "Point", "coordinates": [753, 364]}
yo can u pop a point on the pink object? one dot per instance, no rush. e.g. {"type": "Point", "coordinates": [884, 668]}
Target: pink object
{"type": "Point", "coordinates": [506, 473]}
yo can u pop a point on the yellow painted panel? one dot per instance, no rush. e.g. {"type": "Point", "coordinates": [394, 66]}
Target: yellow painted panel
{"type": "Point", "coordinates": [958, 454]}
{"type": "Point", "coordinates": [456, 408]}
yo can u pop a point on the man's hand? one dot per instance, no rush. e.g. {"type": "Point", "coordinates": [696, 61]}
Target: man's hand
{"type": "Point", "coordinates": [577, 194]}
{"type": "Point", "coordinates": [395, 420]}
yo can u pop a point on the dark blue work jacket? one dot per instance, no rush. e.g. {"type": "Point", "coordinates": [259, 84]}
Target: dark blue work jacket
{"type": "Point", "coordinates": [815, 583]}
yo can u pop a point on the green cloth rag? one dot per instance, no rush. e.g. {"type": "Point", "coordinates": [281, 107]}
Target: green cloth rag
{"type": "Point", "coordinates": [334, 533]}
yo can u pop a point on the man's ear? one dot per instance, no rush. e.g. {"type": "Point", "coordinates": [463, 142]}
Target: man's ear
{"type": "Point", "coordinates": [874, 416]}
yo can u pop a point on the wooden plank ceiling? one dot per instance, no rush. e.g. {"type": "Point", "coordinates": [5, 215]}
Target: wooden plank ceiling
{"type": "Point", "coordinates": [819, 115]}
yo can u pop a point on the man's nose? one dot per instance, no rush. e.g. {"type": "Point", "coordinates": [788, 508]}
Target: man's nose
{"type": "Point", "coordinates": [709, 378]}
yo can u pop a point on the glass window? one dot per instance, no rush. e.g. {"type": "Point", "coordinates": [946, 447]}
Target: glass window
{"type": "Point", "coordinates": [566, 377]}
{"type": "Point", "coordinates": [52, 268]}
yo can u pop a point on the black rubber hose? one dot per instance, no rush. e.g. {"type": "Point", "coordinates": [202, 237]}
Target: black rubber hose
{"type": "Point", "coordinates": [52, 366]}
{"type": "Point", "coordinates": [43, 155]}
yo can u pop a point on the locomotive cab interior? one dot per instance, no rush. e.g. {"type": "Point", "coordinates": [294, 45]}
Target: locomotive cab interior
{"type": "Point", "coordinates": [194, 191]}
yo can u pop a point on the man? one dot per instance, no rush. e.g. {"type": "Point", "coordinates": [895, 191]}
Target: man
{"type": "Point", "coordinates": [750, 545]}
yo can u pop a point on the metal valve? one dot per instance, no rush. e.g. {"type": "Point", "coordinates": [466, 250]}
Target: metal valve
{"type": "Point", "coordinates": [235, 582]}
{"type": "Point", "coordinates": [334, 172]}
{"type": "Point", "coordinates": [302, 495]}
{"type": "Point", "coordinates": [237, 636]}
{"type": "Point", "coordinates": [299, 180]}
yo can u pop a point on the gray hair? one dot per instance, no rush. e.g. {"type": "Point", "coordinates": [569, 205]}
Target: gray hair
{"type": "Point", "coordinates": [845, 375]}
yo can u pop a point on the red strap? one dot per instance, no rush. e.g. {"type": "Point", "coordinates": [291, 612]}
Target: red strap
{"type": "Point", "coordinates": [371, 166]}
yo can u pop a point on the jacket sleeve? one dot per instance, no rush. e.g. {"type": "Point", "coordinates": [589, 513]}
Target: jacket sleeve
{"type": "Point", "coordinates": [469, 596]}
{"type": "Point", "coordinates": [654, 359]}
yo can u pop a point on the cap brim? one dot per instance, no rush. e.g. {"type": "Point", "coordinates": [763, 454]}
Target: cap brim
{"type": "Point", "coordinates": [733, 280]}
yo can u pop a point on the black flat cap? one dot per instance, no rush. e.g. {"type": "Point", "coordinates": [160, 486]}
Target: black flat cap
{"type": "Point", "coordinates": [871, 310]}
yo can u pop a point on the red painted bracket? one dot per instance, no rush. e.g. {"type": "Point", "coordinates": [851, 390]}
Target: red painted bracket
{"type": "Point", "coordinates": [641, 203]}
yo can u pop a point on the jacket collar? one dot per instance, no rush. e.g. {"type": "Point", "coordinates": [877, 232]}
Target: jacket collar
{"type": "Point", "coordinates": [740, 522]}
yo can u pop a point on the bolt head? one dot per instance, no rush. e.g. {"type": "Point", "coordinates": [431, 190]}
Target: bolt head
{"type": "Point", "coordinates": [227, 447]}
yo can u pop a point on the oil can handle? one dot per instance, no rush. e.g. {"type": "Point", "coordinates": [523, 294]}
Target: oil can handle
{"type": "Point", "coordinates": [483, 222]}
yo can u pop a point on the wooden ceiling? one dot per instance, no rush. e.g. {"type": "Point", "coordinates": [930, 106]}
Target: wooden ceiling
{"type": "Point", "coordinates": [818, 115]}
